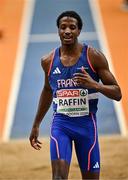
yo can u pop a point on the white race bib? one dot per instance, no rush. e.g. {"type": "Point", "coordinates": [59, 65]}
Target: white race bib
{"type": "Point", "coordinates": [72, 102]}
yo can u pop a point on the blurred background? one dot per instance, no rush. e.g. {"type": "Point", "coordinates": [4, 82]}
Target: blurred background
{"type": "Point", "coordinates": [28, 31]}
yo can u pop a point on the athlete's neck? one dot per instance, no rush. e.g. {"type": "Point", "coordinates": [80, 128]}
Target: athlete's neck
{"type": "Point", "coordinates": [69, 55]}
{"type": "Point", "coordinates": [71, 49]}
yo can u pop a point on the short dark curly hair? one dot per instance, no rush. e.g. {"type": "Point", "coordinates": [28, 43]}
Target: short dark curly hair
{"type": "Point", "coordinates": [72, 14]}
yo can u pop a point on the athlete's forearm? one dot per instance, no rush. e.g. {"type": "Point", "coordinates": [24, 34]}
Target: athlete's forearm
{"type": "Point", "coordinates": [111, 91]}
{"type": "Point", "coordinates": [43, 106]}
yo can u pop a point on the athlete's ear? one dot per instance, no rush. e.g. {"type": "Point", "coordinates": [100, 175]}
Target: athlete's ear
{"type": "Point", "coordinates": [79, 31]}
{"type": "Point", "coordinates": [58, 30]}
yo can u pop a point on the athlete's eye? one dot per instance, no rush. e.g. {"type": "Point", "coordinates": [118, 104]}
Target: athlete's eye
{"type": "Point", "coordinates": [72, 27]}
{"type": "Point", "coordinates": [62, 27]}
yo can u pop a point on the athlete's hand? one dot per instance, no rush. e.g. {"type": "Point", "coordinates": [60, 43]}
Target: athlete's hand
{"type": "Point", "coordinates": [85, 80]}
{"type": "Point", "coordinates": [35, 143]}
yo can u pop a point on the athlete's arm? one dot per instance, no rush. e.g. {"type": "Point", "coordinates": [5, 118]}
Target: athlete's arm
{"type": "Point", "coordinates": [43, 106]}
{"type": "Point", "coordinates": [109, 86]}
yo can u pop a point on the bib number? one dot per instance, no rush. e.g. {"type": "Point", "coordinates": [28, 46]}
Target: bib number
{"type": "Point", "coordinates": [72, 102]}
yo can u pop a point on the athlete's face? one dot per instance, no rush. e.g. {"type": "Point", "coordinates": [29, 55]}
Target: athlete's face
{"type": "Point", "coordinates": [68, 30]}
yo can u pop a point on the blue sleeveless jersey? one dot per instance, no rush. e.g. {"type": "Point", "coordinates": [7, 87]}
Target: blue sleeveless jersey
{"type": "Point", "coordinates": [61, 77]}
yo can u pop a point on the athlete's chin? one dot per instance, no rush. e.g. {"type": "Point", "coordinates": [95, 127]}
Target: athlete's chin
{"type": "Point", "coordinates": [68, 42]}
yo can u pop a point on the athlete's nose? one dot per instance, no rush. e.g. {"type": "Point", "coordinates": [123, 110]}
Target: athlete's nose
{"type": "Point", "coordinates": [67, 31]}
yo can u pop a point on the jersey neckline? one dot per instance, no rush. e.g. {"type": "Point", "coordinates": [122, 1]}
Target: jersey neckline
{"type": "Point", "coordinates": [83, 48]}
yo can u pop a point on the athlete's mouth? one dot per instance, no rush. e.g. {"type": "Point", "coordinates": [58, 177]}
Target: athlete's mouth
{"type": "Point", "coordinates": [67, 38]}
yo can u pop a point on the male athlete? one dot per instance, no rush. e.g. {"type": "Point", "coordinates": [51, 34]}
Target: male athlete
{"type": "Point", "coordinates": [72, 74]}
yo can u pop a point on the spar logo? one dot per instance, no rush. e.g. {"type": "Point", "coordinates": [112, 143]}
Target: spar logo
{"type": "Point", "coordinates": [71, 93]}
{"type": "Point", "coordinates": [68, 93]}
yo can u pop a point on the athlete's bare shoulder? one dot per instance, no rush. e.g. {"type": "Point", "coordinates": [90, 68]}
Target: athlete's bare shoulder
{"type": "Point", "coordinates": [97, 58]}
{"type": "Point", "coordinates": [46, 61]}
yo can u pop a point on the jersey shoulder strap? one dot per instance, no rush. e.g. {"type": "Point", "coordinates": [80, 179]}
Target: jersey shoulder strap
{"type": "Point", "coordinates": [51, 61]}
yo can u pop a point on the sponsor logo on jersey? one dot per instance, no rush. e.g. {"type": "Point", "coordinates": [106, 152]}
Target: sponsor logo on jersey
{"type": "Point", "coordinates": [57, 71]}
